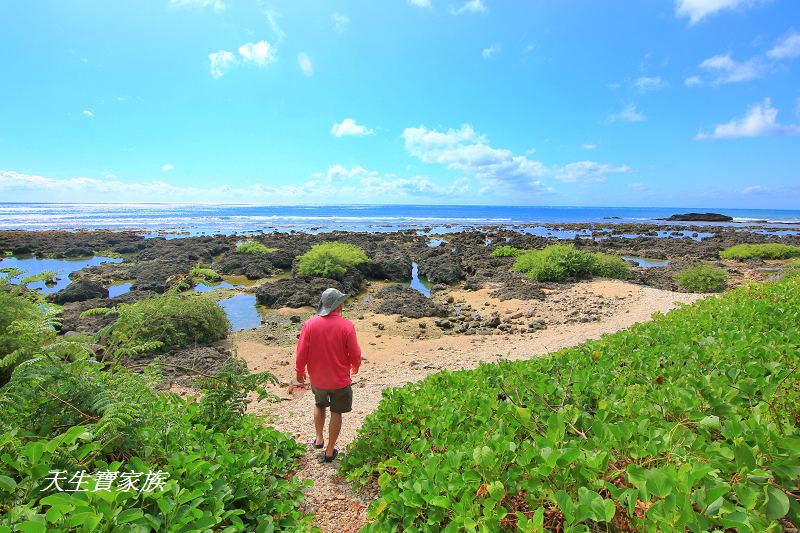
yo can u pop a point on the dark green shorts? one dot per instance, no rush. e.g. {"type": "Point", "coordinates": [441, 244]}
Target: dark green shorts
{"type": "Point", "coordinates": [339, 400]}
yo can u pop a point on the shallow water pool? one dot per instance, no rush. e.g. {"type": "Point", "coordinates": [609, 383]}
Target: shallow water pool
{"type": "Point", "coordinates": [420, 284]}
{"type": "Point", "coordinates": [241, 312]}
{"type": "Point", "coordinates": [62, 267]}
{"type": "Point", "coordinates": [208, 287]}
{"type": "Point", "coordinates": [647, 263]}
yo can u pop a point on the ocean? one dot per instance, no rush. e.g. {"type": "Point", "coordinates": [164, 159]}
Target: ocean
{"type": "Point", "coordinates": [200, 219]}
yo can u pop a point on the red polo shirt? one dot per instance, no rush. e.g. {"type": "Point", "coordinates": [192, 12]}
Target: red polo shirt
{"type": "Point", "coordinates": [329, 348]}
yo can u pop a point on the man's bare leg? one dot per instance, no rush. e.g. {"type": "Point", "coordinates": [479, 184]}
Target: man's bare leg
{"type": "Point", "coordinates": [319, 423]}
{"type": "Point", "coordinates": [334, 427]}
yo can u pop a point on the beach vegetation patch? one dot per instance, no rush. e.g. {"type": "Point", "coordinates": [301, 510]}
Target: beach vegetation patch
{"type": "Point", "coordinates": [761, 251]}
{"type": "Point", "coordinates": [254, 248]}
{"type": "Point", "coordinates": [171, 320]}
{"type": "Point", "coordinates": [204, 274]}
{"type": "Point", "coordinates": [507, 251]}
{"type": "Point", "coordinates": [702, 278]}
{"type": "Point", "coordinates": [689, 422]}
{"type": "Point", "coordinates": [792, 269]}
{"type": "Point", "coordinates": [611, 266]}
{"type": "Point", "coordinates": [85, 447]}
{"type": "Point", "coordinates": [330, 260]}
{"type": "Point", "coordinates": [563, 262]}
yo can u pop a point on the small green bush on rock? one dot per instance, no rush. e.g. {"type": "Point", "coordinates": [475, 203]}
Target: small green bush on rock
{"type": "Point", "coordinates": [562, 262]}
{"type": "Point", "coordinates": [253, 247]}
{"type": "Point", "coordinates": [702, 279]}
{"type": "Point", "coordinates": [611, 266]}
{"type": "Point", "coordinates": [167, 321]}
{"type": "Point", "coordinates": [330, 260]}
{"type": "Point", "coordinates": [206, 274]}
{"type": "Point", "coordinates": [761, 251]}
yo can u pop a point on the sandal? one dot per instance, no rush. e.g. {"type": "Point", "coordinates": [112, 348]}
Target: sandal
{"type": "Point", "coordinates": [326, 459]}
{"type": "Point", "coordinates": [313, 442]}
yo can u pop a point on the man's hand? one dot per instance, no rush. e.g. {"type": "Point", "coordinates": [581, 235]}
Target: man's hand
{"type": "Point", "coordinates": [301, 379]}
{"type": "Point", "coordinates": [353, 370]}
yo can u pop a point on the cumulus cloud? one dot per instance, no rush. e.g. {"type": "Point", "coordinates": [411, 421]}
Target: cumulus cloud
{"type": "Point", "coordinates": [761, 120]}
{"type": "Point", "coordinates": [472, 6]}
{"type": "Point", "coordinates": [724, 69]}
{"type": "Point", "coordinates": [340, 22]}
{"type": "Point", "coordinates": [420, 3]}
{"type": "Point", "coordinates": [646, 83]}
{"type": "Point", "coordinates": [490, 51]}
{"type": "Point", "coordinates": [696, 10]}
{"type": "Point", "coordinates": [167, 167]}
{"type": "Point", "coordinates": [787, 48]}
{"type": "Point", "coordinates": [261, 53]}
{"type": "Point", "coordinates": [349, 127]}
{"type": "Point", "coordinates": [467, 151]}
{"type": "Point", "coordinates": [304, 62]}
{"type": "Point", "coordinates": [217, 5]}
{"type": "Point", "coordinates": [87, 113]}
{"type": "Point", "coordinates": [220, 62]}
{"type": "Point", "coordinates": [589, 146]}
{"type": "Point", "coordinates": [628, 114]}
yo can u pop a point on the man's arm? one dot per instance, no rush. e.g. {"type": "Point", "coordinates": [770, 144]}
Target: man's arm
{"type": "Point", "coordinates": [301, 357]}
{"type": "Point", "coordinates": [353, 350]}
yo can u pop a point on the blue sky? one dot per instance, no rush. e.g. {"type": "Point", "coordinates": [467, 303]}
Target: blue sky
{"type": "Point", "coordinates": [614, 103]}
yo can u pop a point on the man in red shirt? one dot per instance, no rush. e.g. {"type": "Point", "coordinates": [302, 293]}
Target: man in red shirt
{"type": "Point", "coordinates": [329, 349]}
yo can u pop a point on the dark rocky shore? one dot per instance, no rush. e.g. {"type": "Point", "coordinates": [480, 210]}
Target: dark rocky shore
{"type": "Point", "coordinates": [459, 260]}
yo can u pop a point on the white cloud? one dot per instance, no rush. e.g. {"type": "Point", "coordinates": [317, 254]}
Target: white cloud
{"type": "Point", "coordinates": [261, 53]}
{"type": "Point", "coordinates": [87, 113]}
{"type": "Point", "coordinates": [589, 146]}
{"type": "Point", "coordinates": [167, 167]}
{"type": "Point", "coordinates": [221, 61]}
{"type": "Point", "coordinates": [338, 182]}
{"type": "Point", "coordinates": [692, 81]}
{"type": "Point", "coordinates": [587, 172]}
{"type": "Point", "coordinates": [472, 6]}
{"type": "Point", "coordinates": [697, 10]}
{"type": "Point", "coordinates": [755, 189]}
{"type": "Point", "coordinates": [217, 5]}
{"type": "Point", "coordinates": [727, 70]}
{"type": "Point", "coordinates": [646, 83]}
{"type": "Point", "coordinates": [340, 22]}
{"type": "Point", "coordinates": [760, 121]}
{"type": "Point", "coordinates": [467, 151]}
{"type": "Point", "coordinates": [272, 19]}
{"type": "Point", "coordinates": [628, 114]}
{"type": "Point", "coordinates": [420, 3]}
{"type": "Point", "coordinates": [305, 64]}
{"type": "Point", "coordinates": [349, 127]}
{"type": "Point", "coordinates": [490, 51]}
{"type": "Point", "coordinates": [639, 187]}
{"type": "Point", "coordinates": [788, 47]}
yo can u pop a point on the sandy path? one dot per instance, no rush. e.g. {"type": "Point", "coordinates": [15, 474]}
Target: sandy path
{"type": "Point", "coordinates": [394, 357]}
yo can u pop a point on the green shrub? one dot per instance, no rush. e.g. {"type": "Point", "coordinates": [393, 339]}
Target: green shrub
{"type": "Point", "coordinates": [562, 262]}
{"type": "Point", "coordinates": [167, 321]}
{"type": "Point", "coordinates": [507, 251]}
{"type": "Point", "coordinates": [611, 266]}
{"type": "Point", "coordinates": [688, 422]}
{"type": "Point", "coordinates": [253, 247]}
{"type": "Point", "coordinates": [702, 278]}
{"type": "Point", "coordinates": [206, 274]}
{"type": "Point", "coordinates": [792, 269]}
{"type": "Point", "coordinates": [761, 251]}
{"type": "Point", "coordinates": [62, 411]}
{"type": "Point", "coordinates": [330, 260]}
